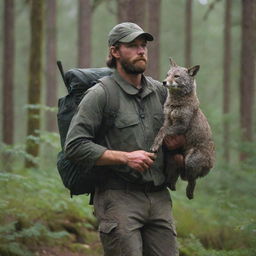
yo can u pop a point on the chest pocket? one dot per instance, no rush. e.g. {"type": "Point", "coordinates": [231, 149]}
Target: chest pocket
{"type": "Point", "coordinates": [126, 134]}
{"type": "Point", "coordinates": [126, 120]}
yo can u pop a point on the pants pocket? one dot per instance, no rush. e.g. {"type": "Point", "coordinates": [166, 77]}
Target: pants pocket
{"type": "Point", "coordinates": [109, 238]}
{"type": "Point", "coordinates": [106, 227]}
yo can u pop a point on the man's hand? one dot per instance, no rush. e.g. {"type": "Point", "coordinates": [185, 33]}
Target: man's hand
{"type": "Point", "coordinates": [140, 160]}
{"type": "Point", "coordinates": [174, 141]}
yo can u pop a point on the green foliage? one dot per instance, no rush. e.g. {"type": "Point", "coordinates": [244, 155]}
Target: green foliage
{"type": "Point", "coordinates": [221, 219]}
{"type": "Point", "coordinates": [36, 210]}
{"type": "Point", "coordinates": [191, 246]}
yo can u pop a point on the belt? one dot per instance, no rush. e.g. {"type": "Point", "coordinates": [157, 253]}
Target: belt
{"type": "Point", "coordinates": [118, 184]}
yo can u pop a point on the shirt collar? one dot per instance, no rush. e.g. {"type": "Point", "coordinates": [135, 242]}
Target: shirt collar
{"type": "Point", "coordinates": [129, 88]}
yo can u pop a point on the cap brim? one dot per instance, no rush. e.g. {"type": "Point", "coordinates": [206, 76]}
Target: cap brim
{"type": "Point", "coordinates": [134, 35]}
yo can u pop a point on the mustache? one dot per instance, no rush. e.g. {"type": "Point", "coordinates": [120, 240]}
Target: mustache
{"type": "Point", "coordinates": [138, 59]}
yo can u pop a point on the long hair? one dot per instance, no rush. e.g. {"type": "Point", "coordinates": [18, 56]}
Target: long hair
{"type": "Point", "coordinates": [111, 60]}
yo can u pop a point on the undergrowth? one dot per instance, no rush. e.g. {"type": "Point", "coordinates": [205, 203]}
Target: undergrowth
{"type": "Point", "coordinates": [221, 219]}
{"type": "Point", "coordinates": [36, 210]}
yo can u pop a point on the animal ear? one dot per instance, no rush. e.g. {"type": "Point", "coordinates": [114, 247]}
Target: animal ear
{"type": "Point", "coordinates": [172, 62]}
{"type": "Point", "coordinates": [193, 70]}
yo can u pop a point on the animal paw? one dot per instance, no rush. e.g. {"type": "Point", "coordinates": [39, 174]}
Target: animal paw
{"type": "Point", "coordinates": [154, 149]}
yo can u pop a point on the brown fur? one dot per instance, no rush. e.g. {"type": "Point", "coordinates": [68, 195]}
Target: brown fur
{"type": "Point", "coordinates": [183, 116]}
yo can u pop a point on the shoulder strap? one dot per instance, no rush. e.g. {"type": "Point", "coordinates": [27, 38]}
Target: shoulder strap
{"type": "Point", "coordinates": [111, 90]}
{"type": "Point", "coordinates": [112, 104]}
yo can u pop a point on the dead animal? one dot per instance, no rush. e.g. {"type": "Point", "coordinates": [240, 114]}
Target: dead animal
{"type": "Point", "coordinates": [183, 116]}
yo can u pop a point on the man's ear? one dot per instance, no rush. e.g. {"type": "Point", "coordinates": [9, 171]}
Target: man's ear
{"type": "Point", "coordinates": [193, 70]}
{"type": "Point", "coordinates": [114, 52]}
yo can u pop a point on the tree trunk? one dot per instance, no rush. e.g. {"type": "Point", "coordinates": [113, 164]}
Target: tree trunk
{"type": "Point", "coordinates": [35, 72]}
{"type": "Point", "coordinates": [8, 72]}
{"type": "Point", "coordinates": [226, 78]}
{"type": "Point", "coordinates": [188, 33]}
{"type": "Point", "coordinates": [132, 11]}
{"type": "Point", "coordinates": [51, 79]}
{"type": "Point", "coordinates": [247, 73]}
{"type": "Point", "coordinates": [154, 9]}
{"type": "Point", "coordinates": [84, 33]}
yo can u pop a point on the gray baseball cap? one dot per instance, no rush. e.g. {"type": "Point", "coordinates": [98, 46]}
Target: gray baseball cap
{"type": "Point", "coordinates": [126, 32]}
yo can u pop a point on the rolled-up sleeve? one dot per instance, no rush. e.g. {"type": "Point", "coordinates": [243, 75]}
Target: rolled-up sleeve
{"type": "Point", "coordinates": [80, 143]}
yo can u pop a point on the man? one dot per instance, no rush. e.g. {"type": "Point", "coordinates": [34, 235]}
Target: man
{"type": "Point", "coordinates": [131, 201]}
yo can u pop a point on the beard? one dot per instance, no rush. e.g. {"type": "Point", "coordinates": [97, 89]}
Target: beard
{"type": "Point", "coordinates": [134, 67]}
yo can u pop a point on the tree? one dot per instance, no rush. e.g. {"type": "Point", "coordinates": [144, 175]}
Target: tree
{"type": "Point", "coordinates": [153, 21]}
{"type": "Point", "coordinates": [247, 76]}
{"type": "Point", "coordinates": [131, 10]}
{"type": "Point", "coordinates": [188, 32]}
{"type": "Point", "coordinates": [51, 79]}
{"type": "Point", "coordinates": [226, 77]}
{"type": "Point", "coordinates": [84, 33]}
{"type": "Point", "coordinates": [35, 71]}
{"type": "Point", "coordinates": [8, 72]}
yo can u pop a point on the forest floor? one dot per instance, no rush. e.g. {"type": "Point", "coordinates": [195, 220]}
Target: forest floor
{"type": "Point", "coordinates": [91, 247]}
{"type": "Point", "coordinates": [57, 252]}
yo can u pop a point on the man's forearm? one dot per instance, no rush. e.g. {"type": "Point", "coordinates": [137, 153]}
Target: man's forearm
{"type": "Point", "coordinates": [112, 157]}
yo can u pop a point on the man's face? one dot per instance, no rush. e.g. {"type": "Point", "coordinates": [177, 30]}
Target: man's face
{"type": "Point", "coordinates": [133, 56]}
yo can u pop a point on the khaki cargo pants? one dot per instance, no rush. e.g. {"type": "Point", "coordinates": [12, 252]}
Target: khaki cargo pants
{"type": "Point", "coordinates": [134, 223]}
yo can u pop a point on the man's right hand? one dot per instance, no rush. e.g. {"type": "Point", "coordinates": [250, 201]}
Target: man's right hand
{"type": "Point", "coordinates": [140, 160]}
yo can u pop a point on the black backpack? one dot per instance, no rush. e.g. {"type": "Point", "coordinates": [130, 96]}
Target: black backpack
{"type": "Point", "coordinates": [77, 178]}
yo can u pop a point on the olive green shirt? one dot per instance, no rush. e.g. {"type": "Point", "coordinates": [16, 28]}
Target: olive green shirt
{"type": "Point", "coordinates": [139, 118]}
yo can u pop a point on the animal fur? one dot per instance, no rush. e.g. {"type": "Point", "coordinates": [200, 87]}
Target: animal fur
{"type": "Point", "coordinates": [183, 116]}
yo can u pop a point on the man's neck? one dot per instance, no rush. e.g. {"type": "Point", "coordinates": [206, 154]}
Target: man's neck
{"type": "Point", "coordinates": [134, 79]}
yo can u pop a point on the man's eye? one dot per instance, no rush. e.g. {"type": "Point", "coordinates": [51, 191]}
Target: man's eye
{"type": "Point", "coordinates": [176, 76]}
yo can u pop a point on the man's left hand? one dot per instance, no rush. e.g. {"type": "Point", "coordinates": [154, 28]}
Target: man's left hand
{"type": "Point", "coordinates": [174, 141]}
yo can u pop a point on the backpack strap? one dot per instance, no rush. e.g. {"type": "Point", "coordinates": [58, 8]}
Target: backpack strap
{"type": "Point", "coordinates": [112, 104]}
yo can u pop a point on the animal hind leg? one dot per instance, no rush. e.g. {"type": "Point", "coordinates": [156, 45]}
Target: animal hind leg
{"type": "Point", "coordinates": [190, 189]}
{"type": "Point", "coordinates": [196, 164]}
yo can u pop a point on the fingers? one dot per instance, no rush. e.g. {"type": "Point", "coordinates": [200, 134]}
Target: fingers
{"type": "Point", "coordinates": [140, 160]}
{"type": "Point", "coordinates": [151, 155]}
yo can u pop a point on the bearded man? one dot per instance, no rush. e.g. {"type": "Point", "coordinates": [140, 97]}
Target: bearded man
{"type": "Point", "coordinates": [131, 201]}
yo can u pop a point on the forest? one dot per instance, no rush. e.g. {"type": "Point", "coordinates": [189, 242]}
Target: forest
{"type": "Point", "coordinates": [37, 214]}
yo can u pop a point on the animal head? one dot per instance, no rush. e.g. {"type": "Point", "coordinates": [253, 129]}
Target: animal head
{"type": "Point", "coordinates": [179, 79]}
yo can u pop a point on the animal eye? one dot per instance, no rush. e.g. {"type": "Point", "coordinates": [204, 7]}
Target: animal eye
{"type": "Point", "coordinates": [176, 76]}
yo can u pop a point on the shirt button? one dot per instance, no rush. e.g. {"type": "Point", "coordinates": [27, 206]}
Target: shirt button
{"type": "Point", "coordinates": [142, 115]}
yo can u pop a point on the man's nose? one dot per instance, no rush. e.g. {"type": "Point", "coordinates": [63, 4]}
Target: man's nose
{"type": "Point", "coordinates": [141, 50]}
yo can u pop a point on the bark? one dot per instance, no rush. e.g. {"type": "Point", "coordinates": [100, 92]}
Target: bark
{"type": "Point", "coordinates": [188, 33]}
{"type": "Point", "coordinates": [84, 33]}
{"type": "Point", "coordinates": [131, 10]}
{"type": "Point", "coordinates": [51, 79]}
{"type": "Point", "coordinates": [154, 14]}
{"type": "Point", "coordinates": [35, 72]}
{"type": "Point", "coordinates": [226, 78]}
{"type": "Point", "coordinates": [247, 73]}
{"type": "Point", "coordinates": [8, 72]}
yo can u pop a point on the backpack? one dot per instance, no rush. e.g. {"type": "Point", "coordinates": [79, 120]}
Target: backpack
{"type": "Point", "coordinates": [76, 177]}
